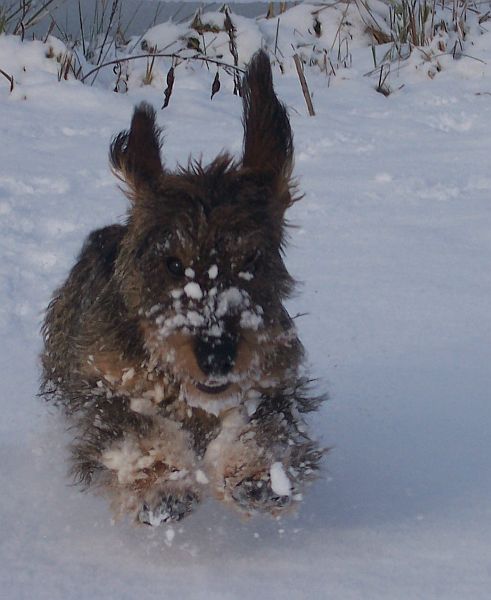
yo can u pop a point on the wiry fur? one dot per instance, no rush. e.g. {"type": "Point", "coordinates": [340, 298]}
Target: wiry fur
{"type": "Point", "coordinates": [168, 345]}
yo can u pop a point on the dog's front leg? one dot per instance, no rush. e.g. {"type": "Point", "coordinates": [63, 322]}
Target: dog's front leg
{"type": "Point", "coordinates": [260, 463]}
{"type": "Point", "coordinates": [145, 465]}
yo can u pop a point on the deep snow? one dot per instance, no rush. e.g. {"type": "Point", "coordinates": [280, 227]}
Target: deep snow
{"type": "Point", "coordinates": [393, 248]}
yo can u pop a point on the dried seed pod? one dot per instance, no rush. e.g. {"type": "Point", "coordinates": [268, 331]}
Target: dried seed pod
{"type": "Point", "coordinates": [215, 88]}
{"type": "Point", "coordinates": [193, 44]}
{"type": "Point", "coordinates": [170, 85]}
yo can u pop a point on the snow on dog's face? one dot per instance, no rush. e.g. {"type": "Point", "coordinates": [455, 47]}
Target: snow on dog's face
{"type": "Point", "coordinates": [200, 267]}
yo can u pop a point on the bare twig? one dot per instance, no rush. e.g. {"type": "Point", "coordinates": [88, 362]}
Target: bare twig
{"type": "Point", "coordinates": [382, 87]}
{"type": "Point", "coordinates": [50, 30]}
{"type": "Point", "coordinates": [303, 84]}
{"type": "Point", "coordinates": [10, 79]}
{"type": "Point", "coordinates": [162, 55]}
{"type": "Point", "coordinates": [276, 36]}
{"type": "Point", "coordinates": [84, 50]}
{"type": "Point", "coordinates": [27, 19]}
{"type": "Point", "coordinates": [148, 78]}
{"type": "Point", "coordinates": [111, 18]}
{"type": "Point", "coordinates": [232, 44]}
{"type": "Point", "coordinates": [39, 14]}
{"type": "Point", "coordinates": [103, 49]}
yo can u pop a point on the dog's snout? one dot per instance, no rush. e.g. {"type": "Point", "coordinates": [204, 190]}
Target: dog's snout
{"type": "Point", "coordinates": [216, 355]}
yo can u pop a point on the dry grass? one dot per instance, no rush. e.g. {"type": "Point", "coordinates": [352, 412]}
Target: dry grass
{"type": "Point", "coordinates": [433, 27]}
{"type": "Point", "coordinates": [18, 17]}
{"type": "Point", "coordinates": [417, 24]}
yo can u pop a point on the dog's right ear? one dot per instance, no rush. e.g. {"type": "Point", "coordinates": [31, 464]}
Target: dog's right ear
{"type": "Point", "coordinates": [135, 154]}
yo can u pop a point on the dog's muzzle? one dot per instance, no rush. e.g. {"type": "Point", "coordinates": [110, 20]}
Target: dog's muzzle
{"type": "Point", "coordinates": [216, 357]}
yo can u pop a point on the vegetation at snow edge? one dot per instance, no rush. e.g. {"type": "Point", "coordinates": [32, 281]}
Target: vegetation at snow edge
{"type": "Point", "coordinates": [321, 36]}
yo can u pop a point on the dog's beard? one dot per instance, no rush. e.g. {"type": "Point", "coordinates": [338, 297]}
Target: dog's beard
{"type": "Point", "coordinates": [170, 339]}
{"type": "Point", "coordinates": [174, 355]}
{"type": "Point", "coordinates": [228, 396]}
{"type": "Point", "coordinates": [237, 390]}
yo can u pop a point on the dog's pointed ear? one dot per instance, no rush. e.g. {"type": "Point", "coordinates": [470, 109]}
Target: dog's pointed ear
{"type": "Point", "coordinates": [135, 154]}
{"type": "Point", "coordinates": [268, 143]}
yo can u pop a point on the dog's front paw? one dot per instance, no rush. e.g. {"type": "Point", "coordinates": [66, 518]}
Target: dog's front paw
{"type": "Point", "coordinates": [258, 495]}
{"type": "Point", "coordinates": [169, 508]}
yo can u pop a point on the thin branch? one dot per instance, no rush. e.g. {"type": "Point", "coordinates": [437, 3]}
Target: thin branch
{"type": "Point", "coordinates": [161, 55]}
{"type": "Point", "coordinates": [10, 79]}
{"type": "Point", "coordinates": [303, 83]}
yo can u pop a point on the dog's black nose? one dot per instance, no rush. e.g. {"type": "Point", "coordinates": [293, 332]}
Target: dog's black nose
{"type": "Point", "coordinates": [216, 355]}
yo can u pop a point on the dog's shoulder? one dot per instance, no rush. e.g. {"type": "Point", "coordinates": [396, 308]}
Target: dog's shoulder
{"type": "Point", "coordinates": [91, 273]}
{"type": "Point", "coordinates": [101, 248]}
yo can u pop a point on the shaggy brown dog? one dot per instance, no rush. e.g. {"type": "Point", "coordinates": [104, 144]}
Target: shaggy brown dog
{"type": "Point", "coordinates": [168, 345]}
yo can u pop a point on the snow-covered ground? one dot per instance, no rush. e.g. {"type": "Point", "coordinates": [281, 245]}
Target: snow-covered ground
{"type": "Point", "coordinates": [393, 249]}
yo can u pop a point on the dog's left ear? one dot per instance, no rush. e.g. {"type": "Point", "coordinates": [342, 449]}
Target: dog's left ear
{"type": "Point", "coordinates": [268, 142]}
{"type": "Point", "coordinates": [135, 154]}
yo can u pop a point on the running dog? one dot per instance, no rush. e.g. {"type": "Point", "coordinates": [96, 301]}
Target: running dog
{"type": "Point", "coordinates": [169, 347]}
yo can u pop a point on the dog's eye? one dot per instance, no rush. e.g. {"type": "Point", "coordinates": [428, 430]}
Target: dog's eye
{"type": "Point", "coordinates": [175, 266]}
